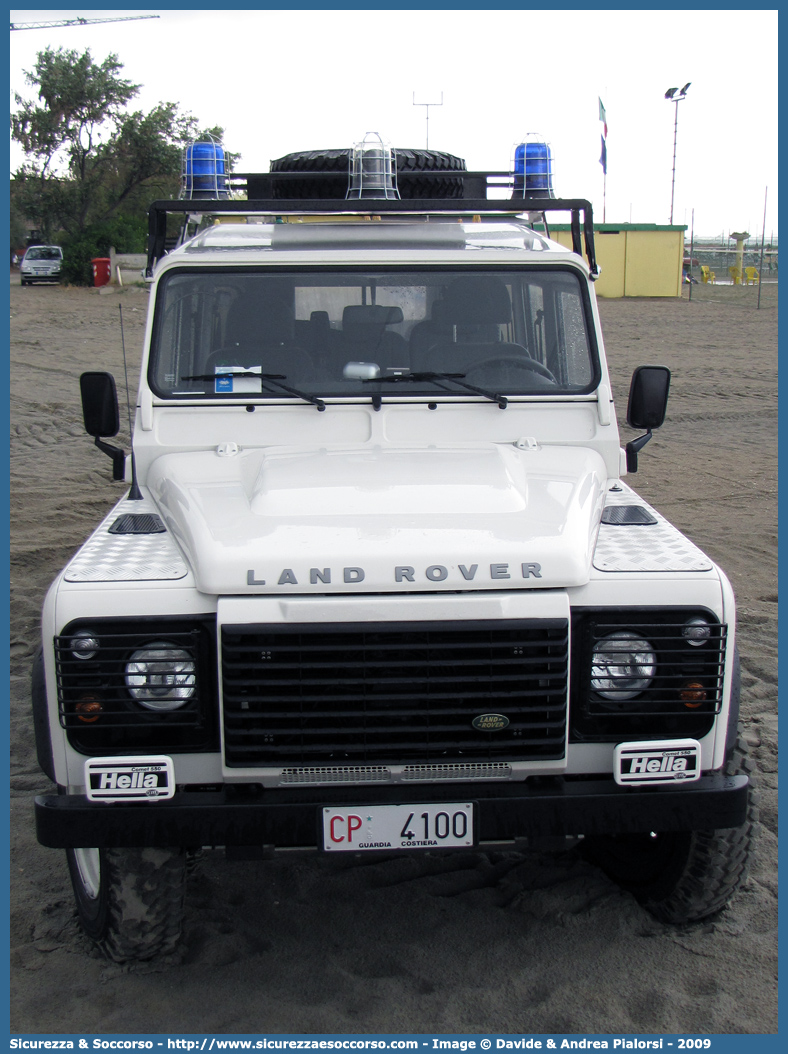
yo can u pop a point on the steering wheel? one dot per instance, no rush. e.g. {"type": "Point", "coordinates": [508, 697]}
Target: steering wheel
{"type": "Point", "coordinates": [506, 361]}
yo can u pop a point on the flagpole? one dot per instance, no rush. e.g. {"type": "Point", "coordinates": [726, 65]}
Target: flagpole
{"type": "Point", "coordinates": [603, 159]}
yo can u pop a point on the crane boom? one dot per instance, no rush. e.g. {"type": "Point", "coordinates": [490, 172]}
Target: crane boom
{"type": "Point", "coordinates": [77, 22]}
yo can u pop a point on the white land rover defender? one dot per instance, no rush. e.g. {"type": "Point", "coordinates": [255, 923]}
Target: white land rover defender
{"type": "Point", "coordinates": [378, 583]}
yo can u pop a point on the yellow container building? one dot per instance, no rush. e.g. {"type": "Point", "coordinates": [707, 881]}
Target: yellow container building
{"type": "Point", "coordinates": [635, 259]}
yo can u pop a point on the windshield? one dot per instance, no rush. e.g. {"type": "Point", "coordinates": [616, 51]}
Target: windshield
{"type": "Point", "coordinates": [336, 333]}
{"type": "Point", "coordinates": [44, 252]}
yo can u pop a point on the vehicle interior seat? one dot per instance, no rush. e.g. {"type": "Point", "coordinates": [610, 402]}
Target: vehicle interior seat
{"type": "Point", "coordinates": [430, 331]}
{"type": "Point", "coordinates": [365, 337]}
{"type": "Point", "coordinates": [261, 332]}
{"type": "Point", "coordinates": [467, 325]}
{"type": "Point", "coordinates": [318, 338]}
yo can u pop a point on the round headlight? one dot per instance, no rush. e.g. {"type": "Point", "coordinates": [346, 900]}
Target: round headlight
{"type": "Point", "coordinates": [696, 632]}
{"type": "Point", "coordinates": [161, 676]}
{"type": "Point", "coordinates": [622, 666]}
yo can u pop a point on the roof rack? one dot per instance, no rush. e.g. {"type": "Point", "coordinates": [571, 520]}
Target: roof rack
{"type": "Point", "coordinates": [474, 202]}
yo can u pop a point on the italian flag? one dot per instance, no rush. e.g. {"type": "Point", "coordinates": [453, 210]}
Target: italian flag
{"type": "Point", "coordinates": [603, 118]}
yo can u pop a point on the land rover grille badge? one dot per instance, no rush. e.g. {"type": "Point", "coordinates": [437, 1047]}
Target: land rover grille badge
{"type": "Point", "coordinates": [490, 722]}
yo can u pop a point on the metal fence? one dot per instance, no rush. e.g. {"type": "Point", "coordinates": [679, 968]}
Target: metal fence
{"type": "Point", "coordinates": [720, 258]}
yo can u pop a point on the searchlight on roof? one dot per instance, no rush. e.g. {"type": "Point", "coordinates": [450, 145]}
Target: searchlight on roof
{"type": "Point", "coordinates": [373, 169]}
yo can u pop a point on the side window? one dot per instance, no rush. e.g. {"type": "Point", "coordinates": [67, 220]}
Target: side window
{"type": "Point", "coordinates": [573, 338]}
{"type": "Point", "coordinates": [189, 329]}
{"type": "Point", "coordinates": [174, 334]}
{"type": "Point", "coordinates": [533, 305]}
{"type": "Point", "coordinates": [332, 299]}
{"type": "Point", "coordinates": [412, 299]}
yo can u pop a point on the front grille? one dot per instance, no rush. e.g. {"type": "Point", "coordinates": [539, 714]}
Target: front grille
{"type": "Point", "coordinates": [402, 693]}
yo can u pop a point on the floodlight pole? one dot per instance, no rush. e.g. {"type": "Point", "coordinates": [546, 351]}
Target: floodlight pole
{"type": "Point", "coordinates": [676, 100]}
{"type": "Point", "coordinates": [427, 104]}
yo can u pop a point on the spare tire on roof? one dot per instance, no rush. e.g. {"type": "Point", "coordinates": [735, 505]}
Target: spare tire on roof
{"type": "Point", "coordinates": [411, 181]}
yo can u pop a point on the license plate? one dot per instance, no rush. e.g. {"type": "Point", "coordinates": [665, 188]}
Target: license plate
{"type": "Point", "coordinates": [357, 829]}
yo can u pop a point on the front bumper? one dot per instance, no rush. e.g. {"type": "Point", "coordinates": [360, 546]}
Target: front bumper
{"type": "Point", "coordinates": [251, 816]}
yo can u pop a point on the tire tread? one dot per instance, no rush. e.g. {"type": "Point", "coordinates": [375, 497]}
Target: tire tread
{"type": "Point", "coordinates": [686, 876]}
{"type": "Point", "coordinates": [718, 861]}
{"type": "Point", "coordinates": [410, 162]}
{"type": "Point", "coordinates": [139, 913]}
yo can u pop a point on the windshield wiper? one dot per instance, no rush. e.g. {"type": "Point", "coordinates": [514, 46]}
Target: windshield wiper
{"type": "Point", "coordinates": [436, 378]}
{"type": "Point", "coordinates": [273, 378]}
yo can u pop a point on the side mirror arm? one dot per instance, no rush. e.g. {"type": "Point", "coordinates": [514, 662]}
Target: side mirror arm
{"type": "Point", "coordinates": [118, 458]}
{"type": "Point", "coordinates": [632, 448]}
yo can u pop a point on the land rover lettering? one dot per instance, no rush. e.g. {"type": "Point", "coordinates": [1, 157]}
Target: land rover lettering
{"type": "Point", "coordinates": [496, 572]}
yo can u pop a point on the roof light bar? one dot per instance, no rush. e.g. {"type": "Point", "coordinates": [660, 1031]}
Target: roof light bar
{"type": "Point", "coordinates": [202, 170]}
{"type": "Point", "coordinates": [533, 168]}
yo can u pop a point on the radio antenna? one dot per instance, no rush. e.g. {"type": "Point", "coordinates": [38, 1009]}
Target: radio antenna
{"type": "Point", "coordinates": [134, 494]}
{"type": "Point", "coordinates": [427, 104]}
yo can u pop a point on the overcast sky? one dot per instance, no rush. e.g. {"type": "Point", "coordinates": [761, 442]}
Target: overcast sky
{"type": "Point", "coordinates": [300, 79]}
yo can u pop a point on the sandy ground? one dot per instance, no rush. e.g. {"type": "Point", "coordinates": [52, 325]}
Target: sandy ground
{"type": "Point", "coordinates": [516, 943]}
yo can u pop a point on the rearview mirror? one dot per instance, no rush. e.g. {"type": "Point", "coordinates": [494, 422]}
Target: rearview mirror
{"type": "Point", "coordinates": [648, 397]}
{"type": "Point", "coordinates": [99, 404]}
{"type": "Point", "coordinates": [100, 413]}
{"type": "Point", "coordinates": [648, 401]}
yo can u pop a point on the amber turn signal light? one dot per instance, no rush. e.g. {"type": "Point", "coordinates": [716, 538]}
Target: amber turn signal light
{"type": "Point", "coordinates": [692, 694]}
{"type": "Point", "coordinates": [89, 709]}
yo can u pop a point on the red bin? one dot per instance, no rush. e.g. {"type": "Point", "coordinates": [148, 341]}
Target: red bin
{"type": "Point", "coordinates": [101, 271]}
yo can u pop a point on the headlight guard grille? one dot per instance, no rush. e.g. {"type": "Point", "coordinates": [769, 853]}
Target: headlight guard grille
{"type": "Point", "coordinates": [95, 705]}
{"type": "Point", "coordinates": [682, 698]}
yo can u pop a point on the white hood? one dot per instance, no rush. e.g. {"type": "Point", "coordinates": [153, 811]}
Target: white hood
{"type": "Point", "coordinates": [383, 519]}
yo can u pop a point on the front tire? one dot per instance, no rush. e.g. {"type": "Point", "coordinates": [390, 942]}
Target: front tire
{"type": "Point", "coordinates": [130, 901]}
{"type": "Point", "coordinates": [683, 876]}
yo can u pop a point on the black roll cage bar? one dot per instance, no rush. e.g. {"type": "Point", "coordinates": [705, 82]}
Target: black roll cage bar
{"type": "Point", "coordinates": [473, 203]}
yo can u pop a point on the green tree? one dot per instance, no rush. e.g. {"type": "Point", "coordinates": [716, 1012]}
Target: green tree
{"type": "Point", "coordinates": [66, 136]}
{"type": "Point", "coordinates": [88, 159]}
